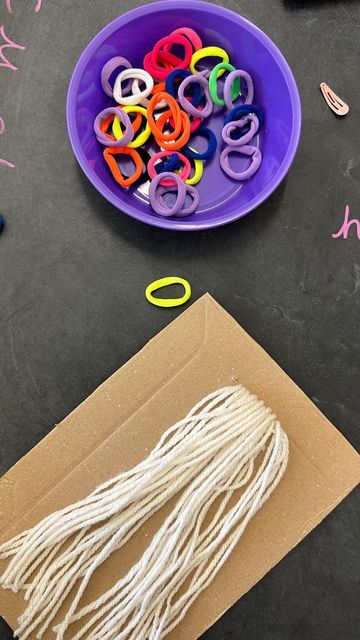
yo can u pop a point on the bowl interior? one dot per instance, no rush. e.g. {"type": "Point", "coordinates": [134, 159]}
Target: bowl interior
{"type": "Point", "coordinates": [134, 34]}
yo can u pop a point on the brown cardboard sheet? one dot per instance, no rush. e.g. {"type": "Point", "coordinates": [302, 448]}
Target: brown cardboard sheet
{"type": "Point", "coordinates": [122, 420]}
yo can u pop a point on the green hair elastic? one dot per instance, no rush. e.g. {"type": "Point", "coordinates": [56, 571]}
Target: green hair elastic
{"type": "Point", "coordinates": [213, 79]}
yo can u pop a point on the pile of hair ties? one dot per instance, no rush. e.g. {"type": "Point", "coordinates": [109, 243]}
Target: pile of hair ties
{"type": "Point", "coordinates": [166, 103]}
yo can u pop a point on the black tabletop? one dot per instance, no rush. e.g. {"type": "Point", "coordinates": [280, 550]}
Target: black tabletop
{"type": "Point", "coordinates": [73, 272]}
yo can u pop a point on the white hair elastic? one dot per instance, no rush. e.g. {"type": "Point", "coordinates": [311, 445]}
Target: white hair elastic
{"type": "Point", "coordinates": [138, 74]}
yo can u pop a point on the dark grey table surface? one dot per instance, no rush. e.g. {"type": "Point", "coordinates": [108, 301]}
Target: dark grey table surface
{"type": "Point", "coordinates": [73, 272]}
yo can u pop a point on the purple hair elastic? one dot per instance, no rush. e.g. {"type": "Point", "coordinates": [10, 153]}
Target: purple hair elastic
{"type": "Point", "coordinates": [239, 124]}
{"type": "Point", "coordinates": [206, 111]}
{"type": "Point", "coordinates": [184, 211]}
{"type": "Point", "coordinates": [124, 118]}
{"type": "Point", "coordinates": [243, 75]}
{"type": "Point", "coordinates": [246, 151]}
{"type": "Point", "coordinates": [109, 68]}
{"type": "Point", "coordinates": [156, 193]}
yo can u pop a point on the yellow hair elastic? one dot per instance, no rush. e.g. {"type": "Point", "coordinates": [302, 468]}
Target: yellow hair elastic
{"type": "Point", "coordinates": [165, 282]}
{"type": "Point", "coordinates": [199, 169]}
{"type": "Point", "coordinates": [142, 137]}
{"type": "Point", "coordinates": [209, 52]}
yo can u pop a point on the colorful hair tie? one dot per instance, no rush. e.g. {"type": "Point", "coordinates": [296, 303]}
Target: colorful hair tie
{"type": "Point", "coordinates": [155, 201]}
{"type": "Point", "coordinates": [208, 52]}
{"type": "Point", "coordinates": [108, 69]}
{"type": "Point", "coordinates": [171, 163]}
{"type": "Point", "coordinates": [199, 168]}
{"type": "Point", "coordinates": [103, 138]}
{"type": "Point", "coordinates": [232, 90]}
{"type": "Point", "coordinates": [191, 35]}
{"type": "Point", "coordinates": [213, 79]}
{"type": "Point", "coordinates": [183, 175]}
{"type": "Point", "coordinates": [243, 110]}
{"type": "Point", "coordinates": [182, 74]}
{"type": "Point", "coordinates": [145, 101]}
{"type": "Point", "coordinates": [165, 282]}
{"type": "Point", "coordinates": [132, 99]}
{"type": "Point", "coordinates": [124, 181]}
{"type": "Point", "coordinates": [174, 111]}
{"type": "Point", "coordinates": [240, 138]}
{"type": "Point", "coordinates": [143, 135]}
{"type": "Point", "coordinates": [245, 150]}
{"type": "Point", "coordinates": [145, 157]}
{"type": "Point", "coordinates": [184, 211]}
{"type": "Point", "coordinates": [205, 155]}
{"type": "Point", "coordinates": [205, 111]}
{"type": "Point", "coordinates": [105, 124]}
{"type": "Point", "coordinates": [174, 145]}
{"type": "Point", "coordinates": [163, 55]}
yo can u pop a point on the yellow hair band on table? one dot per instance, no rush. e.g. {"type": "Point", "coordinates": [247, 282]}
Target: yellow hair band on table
{"type": "Point", "coordinates": [142, 137]}
{"type": "Point", "coordinates": [165, 282]}
{"type": "Point", "coordinates": [209, 52]}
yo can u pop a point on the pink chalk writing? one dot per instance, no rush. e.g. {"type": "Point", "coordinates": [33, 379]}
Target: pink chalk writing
{"type": "Point", "coordinates": [3, 162]}
{"type": "Point", "coordinates": [344, 229]}
{"type": "Point", "coordinates": [9, 7]}
{"type": "Point", "coordinates": [9, 45]}
{"type": "Point", "coordinates": [2, 126]}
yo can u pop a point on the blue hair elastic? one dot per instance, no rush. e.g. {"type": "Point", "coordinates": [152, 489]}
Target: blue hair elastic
{"type": "Point", "coordinates": [170, 164]}
{"type": "Point", "coordinates": [243, 110]}
{"type": "Point", "coordinates": [206, 155]}
{"type": "Point", "coordinates": [181, 74]}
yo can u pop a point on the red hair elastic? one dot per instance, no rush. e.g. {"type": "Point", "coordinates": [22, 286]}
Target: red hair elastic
{"type": "Point", "coordinates": [160, 61]}
{"type": "Point", "coordinates": [184, 173]}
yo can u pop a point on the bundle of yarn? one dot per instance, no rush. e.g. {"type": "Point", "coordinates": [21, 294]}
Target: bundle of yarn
{"type": "Point", "coordinates": [223, 460]}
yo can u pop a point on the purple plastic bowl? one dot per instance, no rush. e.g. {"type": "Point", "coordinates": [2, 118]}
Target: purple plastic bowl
{"type": "Point", "coordinates": [134, 34]}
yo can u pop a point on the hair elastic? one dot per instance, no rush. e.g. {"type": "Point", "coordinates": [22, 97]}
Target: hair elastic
{"type": "Point", "coordinates": [108, 69]}
{"type": "Point", "coordinates": [208, 52]}
{"type": "Point", "coordinates": [198, 173]}
{"type": "Point", "coordinates": [113, 166]}
{"type": "Point", "coordinates": [136, 98]}
{"type": "Point", "coordinates": [165, 282]}
{"type": "Point", "coordinates": [145, 101]}
{"type": "Point", "coordinates": [103, 138]}
{"type": "Point", "coordinates": [105, 124]}
{"type": "Point", "coordinates": [184, 211]}
{"type": "Point", "coordinates": [205, 155]}
{"type": "Point", "coordinates": [213, 79]}
{"type": "Point", "coordinates": [232, 89]}
{"type": "Point", "coordinates": [205, 111]}
{"type": "Point", "coordinates": [243, 110]}
{"type": "Point", "coordinates": [191, 35]}
{"type": "Point", "coordinates": [184, 173]}
{"type": "Point", "coordinates": [143, 135]}
{"type": "Point", "coordinates": [256, 158]}
{"type": "Point", "coordinates": [174, 111]}
{"type": "Point", "coordinates": [182, 74]}
{"type": "Point", "coordinates": [164, 55]}
{"type": "Point", "coordinates": [174, 145]}
{"type": "Point", "coordinates": [157, 204]}
{"type": "Point", "coordinates": [238, 125]}
{"type": "Point", "coordinates": [170, 164]}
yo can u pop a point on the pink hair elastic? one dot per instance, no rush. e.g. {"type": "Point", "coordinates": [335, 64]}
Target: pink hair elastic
{"type": "Point", "coordinates": [229, 83]}
{"type": "Point", "coordinates": [205, 111]}
{"type": "Point", "coordinates": [245, 150]}
{"type": "Point", "coordinates": [239, 124]}
{"type": "Point", "coordinates": [108, 68]}
{"type": "Point", "coordinates": [191, 35]}
{"type": "Point", "coordinates": [183, 175]}
{"type": "Point", "coordinates": [124, 119]}
{"type": "Point", "coordinates": [162, 53]}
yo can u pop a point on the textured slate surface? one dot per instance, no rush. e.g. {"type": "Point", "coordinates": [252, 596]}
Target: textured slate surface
{"type": "Point", "coordinates": [73, 272]}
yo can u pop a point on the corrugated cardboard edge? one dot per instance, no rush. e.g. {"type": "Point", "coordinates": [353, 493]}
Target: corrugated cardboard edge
{"type": "Point", "coordinates": [20, 475]}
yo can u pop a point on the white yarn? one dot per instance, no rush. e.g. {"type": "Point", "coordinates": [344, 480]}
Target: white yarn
{"type": "Point", "coordinates": [229, 441]}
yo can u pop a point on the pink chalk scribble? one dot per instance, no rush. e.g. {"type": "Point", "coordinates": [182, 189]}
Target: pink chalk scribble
{"type": "Point", "coordinates": [6, 163]}
{"type": "Point", "coordinates": [2, 126]}
{"type": "Point", "coordinates": [9, 7]}
{"type": "Point", "coordinates": [9, 45]}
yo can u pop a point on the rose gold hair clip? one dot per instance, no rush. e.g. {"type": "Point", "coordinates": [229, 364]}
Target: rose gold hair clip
{"type": "Point", "coordinates": [339, 107]}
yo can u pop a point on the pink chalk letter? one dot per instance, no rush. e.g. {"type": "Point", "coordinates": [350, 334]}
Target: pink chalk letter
{"type": "Point", "coordinates": [38, 6]}
{"type": "Point", "coordinates": [9, 44]}
{"type": "Point", "coordinates": [6, 163]}
{"type": "Point", "coordinates": [344, 229]}
{"type": "Point", "coordinates": [8, 6]}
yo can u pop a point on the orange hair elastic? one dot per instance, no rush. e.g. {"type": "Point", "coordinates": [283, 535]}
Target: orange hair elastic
{"type": "Point", "coordinates": [105, 124]}
{"type": "Point", "coordinates": [124, 181]}
{"type": "Point", "coordinates": [165, 141]}
{"type": "Point", "coordinates": [174, 112]}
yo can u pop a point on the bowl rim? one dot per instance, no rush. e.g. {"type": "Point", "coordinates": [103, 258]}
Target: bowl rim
{"type": "Point", "coordinates": [132, 210]}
